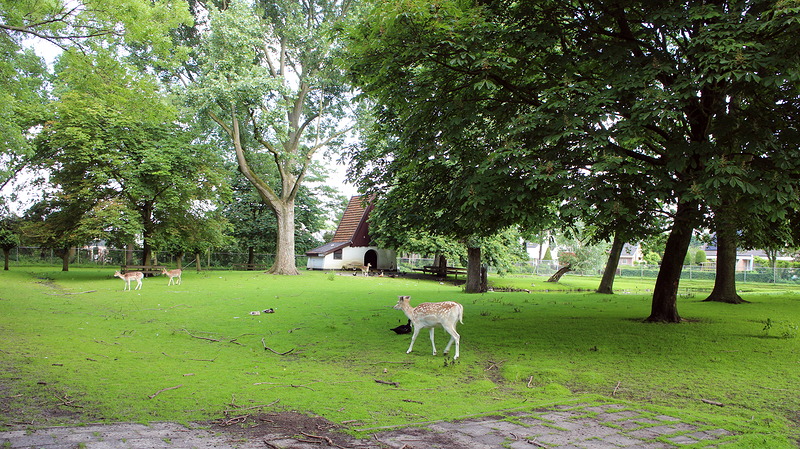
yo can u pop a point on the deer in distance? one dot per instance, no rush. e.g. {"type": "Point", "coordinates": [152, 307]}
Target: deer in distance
{"type": "Point", "coordinates": [432, 315]}
{"type": "Point", "coordinates": [365, 269]}
{"type": "Point", "coordinates": [128, 277]}
{"type": "Point", "coordinates": [176, 273]}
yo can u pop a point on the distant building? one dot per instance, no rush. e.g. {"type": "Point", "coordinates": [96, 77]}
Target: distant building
{"type": "Point", "coordinates": [631, 255]}
{"type": "Point", "coordinates": [352, 245]}
{"type": "Point", "coordinates": [538, 251]}
{"type": "Point", "coordinates": [745, 259]}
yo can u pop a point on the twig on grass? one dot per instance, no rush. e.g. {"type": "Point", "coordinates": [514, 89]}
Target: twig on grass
{"type": "Point", "coordinates": [613, 393]}
{"type": "Point", "coordinates": [236, 408]}
{"type": "Point", "coordinates": [718, 404]}
{"type": "Point", "coordinates": [201, 338]}
{"type": "Point", "coordinates": [530, 382]}
{"type": "Point", "coordinates": [163, 390]}
{"type": "Point", "coordinates": [267, 348]}
{"type": "Point", "coordinates": [395, 384]}
{"type": "Point", "coordinates": [68, 293]}
{"type": "Point", "coordinates": [67, 402]}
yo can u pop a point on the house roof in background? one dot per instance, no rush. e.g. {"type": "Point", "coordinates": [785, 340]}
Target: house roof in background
{"type": "Point", "coordinates": [355, 214]}
{"type": "Point", "coordinates": [353, 228]}
{"type": "Point", "coordinates": [327, 248]}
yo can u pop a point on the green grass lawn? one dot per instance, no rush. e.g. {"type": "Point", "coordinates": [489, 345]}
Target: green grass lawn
{"type": "Point", "coordinates": [76, 341]}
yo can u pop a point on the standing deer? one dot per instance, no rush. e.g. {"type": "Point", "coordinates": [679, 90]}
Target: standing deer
{"type": "Point", "coordinates": [128, 277]}
{"type": "Point", "coordinates": [176, 273]}
{"type": "Point", "coordinates": [365, 269]}
{"type": "Point", "coordinates": [431, 315]}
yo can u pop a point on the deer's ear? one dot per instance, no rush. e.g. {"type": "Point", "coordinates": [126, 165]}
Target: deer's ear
{"type": "Point", "coordinates": [404, 298]}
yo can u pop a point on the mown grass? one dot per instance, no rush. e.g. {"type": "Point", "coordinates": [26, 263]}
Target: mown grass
{"type": "Point", "coordinates": [193, 352]}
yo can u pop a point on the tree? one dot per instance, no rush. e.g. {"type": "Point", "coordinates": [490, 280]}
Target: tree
{"type": "Point", "coordinates": [81, 24]}
{"type": "Point", "coordinates": [9, 239]}
{"type": "Point", "coordinates": [253, 223]}
{"type": "Point", "coordinates": [114, 137]}
{"type": "Point", "coordinates": [579, 84]}
{"type": "Point", "coordinates": [267, 79]}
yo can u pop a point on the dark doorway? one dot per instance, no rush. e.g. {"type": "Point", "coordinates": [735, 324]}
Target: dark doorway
{"type": "Point", "coordinates": [371, 257]}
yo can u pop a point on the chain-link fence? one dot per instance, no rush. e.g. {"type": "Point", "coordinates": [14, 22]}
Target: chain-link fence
{"type": "Point", "coordinates": [220, 260]}
{"type": "Point", "coordinates": [101, 256]}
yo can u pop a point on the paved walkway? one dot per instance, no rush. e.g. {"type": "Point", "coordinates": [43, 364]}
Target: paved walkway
{"type": "Point", "coordinates": [564, 427]}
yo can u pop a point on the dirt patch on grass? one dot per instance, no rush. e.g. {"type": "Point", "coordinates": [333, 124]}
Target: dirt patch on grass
{"type": "Point", "coordinates": [274, 428]}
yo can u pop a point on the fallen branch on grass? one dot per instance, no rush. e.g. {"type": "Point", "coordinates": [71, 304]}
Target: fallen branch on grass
{"type": "Point", "coordinates": [718, 404]}
{"type": "Point", "coordinates": [217, 340]}
{"type": "Point", "coordinates": [68, 293]}
{"type": "Point", "coordinates": [267, 348]}
{"type": "Point", "coordinates": [163, 390]}
{"type": "Point", "coordinates": [613, 393]}
{"type": "Point", "coordinates": [396, 384]}
{"type": "Point", "coordinates": [240, 409]}
{"type": "Point", "coordinates": [68, 402]}
{"type": "Point", "coordinates": [327, 440]}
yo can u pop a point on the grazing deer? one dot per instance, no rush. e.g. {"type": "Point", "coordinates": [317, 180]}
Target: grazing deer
{"type": "Point", "coordinates": [365, 269]}
{"type": "Point", "coordinates": [176, 273]}
{"type": "Point", "coordinates": [431, 315]}
{"type": "Point", "coordinates": [128, 277]}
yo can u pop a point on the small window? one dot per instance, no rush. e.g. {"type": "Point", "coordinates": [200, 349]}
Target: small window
{"type": "Point", "coordinates": [337, 255]}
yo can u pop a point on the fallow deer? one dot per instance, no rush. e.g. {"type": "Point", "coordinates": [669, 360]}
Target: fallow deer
{"type": "Point", "coordinates": [128, 277]}
{"type": "Point", "coordinates": [431, 315]}
{"type": "Point", "coordinates": [365, 269]}
{"type": "Point", "coordinates": [176, 273]}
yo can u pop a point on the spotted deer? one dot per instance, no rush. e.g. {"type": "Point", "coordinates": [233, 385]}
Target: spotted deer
{"type": "Point", "coordinates": [176, 273]}
{"type": "Point", "coordinates": [431, 315]}
{"type": "Point", "coordinates": [365, 269]}
{"type": "Point", "coordinates": [128, 277]}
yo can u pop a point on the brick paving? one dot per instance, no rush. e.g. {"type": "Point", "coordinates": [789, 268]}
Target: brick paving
{"type": "Point", "coordinates": [579, 426]}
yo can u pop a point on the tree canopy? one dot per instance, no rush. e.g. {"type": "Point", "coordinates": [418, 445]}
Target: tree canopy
{"type": "Point", "coordinates": [690, 98]}
{"type": "Point", "coordinates": [267, 79]}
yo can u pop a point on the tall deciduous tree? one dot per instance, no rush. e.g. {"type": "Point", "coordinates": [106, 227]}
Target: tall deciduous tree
{"type": "Point", "coordinates": [267, 79]}
{"type": "Point", "coordinates": [139, 25]}
{"type": "Point", "coordinates": [574, 83]}
{"type": "Point", "coordinates": [113, 136]}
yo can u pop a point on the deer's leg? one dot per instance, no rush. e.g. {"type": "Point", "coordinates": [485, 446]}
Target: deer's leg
{"type": "Point", "coordinates": [138, 284]}
{"type": "Point", "coordinates": [454, 337]}
{"type": "Point", "coordinates": [432, 342]}
{"type": "Point", "coordinates": [413, 338]}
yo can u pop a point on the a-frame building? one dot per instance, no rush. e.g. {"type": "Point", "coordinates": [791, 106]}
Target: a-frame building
{"type": "Point", "coordinates": [352, 246]}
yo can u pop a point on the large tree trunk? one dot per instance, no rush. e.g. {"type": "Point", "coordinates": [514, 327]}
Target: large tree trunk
{"type": "Point", "coordinates": [725, 282]}
{"type": "Point", "coordinates": [607, 283]}
{"type": "Point", "coordinates": [664, 308]}
{"type": "Point", "coordinates": [197, 261]}
{"type": "Point", "coordinates": [179, 259]}
{"type": "Point", "coordinates": [284, 252]}
{"type": "Point", "coordinates": [64, 254]}
{"type": "Point", "coordinates": [6, 256]}
{"type": "Point", "coordinates": [442, 265]}
{"type": "Point", "coordinates": [473, 271]}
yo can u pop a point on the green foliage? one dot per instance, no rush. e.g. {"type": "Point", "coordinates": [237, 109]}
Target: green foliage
{"type": "Point", "coordinates": [266, 82]}
{"type": "Point", "coordinates": [93, 350]}
{"type": "Point", "coordinates": [127, 168]}
{"type": "Point", "coordinates": [700, 257]}
{"type": "Point", "coordinates": [634, 119]}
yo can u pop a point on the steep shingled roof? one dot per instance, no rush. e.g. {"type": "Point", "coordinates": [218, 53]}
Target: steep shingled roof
{"type": "Point", "coordinates": [353, 228]}
{"type": "Point", "coordinates": [353, 216]}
